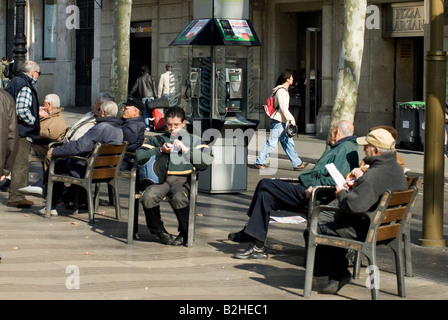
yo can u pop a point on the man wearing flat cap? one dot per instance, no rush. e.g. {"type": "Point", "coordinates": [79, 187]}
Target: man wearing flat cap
{"type": "Point", "coordinates": [354, 199]}
{"type": "Point", "coordinates": [133, 128]}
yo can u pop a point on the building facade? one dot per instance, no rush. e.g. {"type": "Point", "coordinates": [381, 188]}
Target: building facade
{"type": "Point", "coordinates": [72, 41]}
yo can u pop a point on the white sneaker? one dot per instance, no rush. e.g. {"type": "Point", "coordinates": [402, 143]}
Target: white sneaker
{"type": "Point", "coordinates": [32, 191]}
{"type": "Point", "coordinates": [43, 211]}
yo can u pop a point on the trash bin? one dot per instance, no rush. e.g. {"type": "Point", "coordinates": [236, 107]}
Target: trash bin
{"type": "Point", "coordinates": [409, 132]}
{"type": "Point", "coordinates": [228, 172]}
{"type": "Point", "coordinates": [421, 120]}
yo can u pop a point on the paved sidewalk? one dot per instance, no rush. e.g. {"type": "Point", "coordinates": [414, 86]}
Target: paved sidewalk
{"type": "Point", "coordinates": [45, 258]}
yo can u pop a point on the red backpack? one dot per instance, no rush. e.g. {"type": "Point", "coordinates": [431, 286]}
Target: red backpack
{"type": "Point", "coordinates": [159, 122]}
{"type": "Point", "coordinates": [269, 107]}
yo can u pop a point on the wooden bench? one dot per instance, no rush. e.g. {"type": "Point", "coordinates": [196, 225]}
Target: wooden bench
{"type": "Point", "coordinates": [103, 165]}
{"type": "Point", "coordinates": [387, 225]}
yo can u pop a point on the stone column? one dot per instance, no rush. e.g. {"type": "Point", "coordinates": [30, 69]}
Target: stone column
{"type": "Point", "coordinates": [324, 115]}
{"type": "Point", "coordinates": [64, 75]}
{"type": "Point", "coordinates": [96, 61]}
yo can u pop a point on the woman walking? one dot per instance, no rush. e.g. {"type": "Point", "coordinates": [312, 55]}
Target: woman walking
{"type": "Point", "coordinates": [279, 121]}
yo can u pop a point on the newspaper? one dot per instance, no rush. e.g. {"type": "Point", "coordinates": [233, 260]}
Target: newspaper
{"type": "Point", "coordinates": [336, 175]}
{"type": "Point", "coordinates": [289, 219]}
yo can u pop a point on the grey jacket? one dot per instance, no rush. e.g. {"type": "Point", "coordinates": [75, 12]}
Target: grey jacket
{"type": "Point", "coordinates": [383, 174]}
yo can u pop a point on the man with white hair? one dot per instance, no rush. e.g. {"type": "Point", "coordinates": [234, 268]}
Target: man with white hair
{"type": "Point", "coordinates": [52, 122]}
{"type": "Point", "coordinates": [24, 93]}
{"type": "Point", "coordinates": [384, 173]}
{"type": "Point", "coordinates": [52, 128]}
{"type": "Point", "coordinates": [88, 120]}
{"type": "Point", "coordinates": [107, 130]}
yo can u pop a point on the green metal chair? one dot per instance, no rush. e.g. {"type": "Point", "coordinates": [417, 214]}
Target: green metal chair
{"type": "Point", "coordinates": [134, 203]}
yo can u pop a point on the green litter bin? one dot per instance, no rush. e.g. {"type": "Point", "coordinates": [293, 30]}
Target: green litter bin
{"type": "Point", "coordinates": [412, 118]}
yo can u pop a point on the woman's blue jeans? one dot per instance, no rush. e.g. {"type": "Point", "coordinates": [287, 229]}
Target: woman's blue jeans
{"type": "Point", "coordinates": [278, 134]}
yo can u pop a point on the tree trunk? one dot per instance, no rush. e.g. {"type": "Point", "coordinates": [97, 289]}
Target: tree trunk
{"type": "Point", "coordinates": [121, 51]}
{"type": "Point", "coordinates": [350, 61]}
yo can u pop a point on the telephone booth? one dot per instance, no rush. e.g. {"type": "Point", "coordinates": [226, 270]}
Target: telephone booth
{"type": "Point", "coordinates": [215, 88]}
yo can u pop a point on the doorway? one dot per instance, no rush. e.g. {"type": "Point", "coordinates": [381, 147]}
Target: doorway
{"type": "Point", "coordinates": [84, 53]}
{"type": "Point", "coordinates": [309, 57]}
{"type": "Point", "coordinates": [409, 69]}
{"type": "Point", "coordinates": [141, 50]}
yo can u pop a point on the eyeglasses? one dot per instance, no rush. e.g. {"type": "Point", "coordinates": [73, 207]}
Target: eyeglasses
{"type": "Point", "coordinates": [38, 73]}
{"type": "Point", "coordinates": [174, 125]}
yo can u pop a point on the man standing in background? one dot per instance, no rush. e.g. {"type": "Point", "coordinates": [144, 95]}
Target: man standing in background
{"type": "Point", "coordinates": [145, 86]}
{"type": "Point", "coordinates": [23, 91]}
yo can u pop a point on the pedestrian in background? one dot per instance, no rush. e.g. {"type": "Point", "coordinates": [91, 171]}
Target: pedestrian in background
{"type": "Point", "coordinates": [4, 72]}
{"type": "Point", "coordinates": [278, 124]}
{"type": "Point", "coordinates": [145, 87]}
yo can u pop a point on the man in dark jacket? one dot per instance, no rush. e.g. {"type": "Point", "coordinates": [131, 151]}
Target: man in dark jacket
{"type": "Point", "coordinates": [8, 133]}
{"type": "Point", "coordinates": [107, 130]}
{"type": "Point", "coordinates": [384, 173]}
{"type": "Point", "coordinates": [27, 106]}
{"type": "Point", "coordinates": [187, 153]}
{"type": "Point", "coordinates": [133, 129]}
{"type": "Point", "coordinates": [280, 195]}
{"type": "Point", "coordinates": [145, 87]}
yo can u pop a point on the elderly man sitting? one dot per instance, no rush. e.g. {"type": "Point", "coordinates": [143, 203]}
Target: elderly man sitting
{"type": "Point", "coordinates": [107, 130]}
{"type": "Point", "coordinates": [52, 128]}
{"type": "Point", "coordinates": [133, 129]}
{"type": "Point", "coordinates": [280, 195]}
{"type": "Point", "coordinates": [384, 173]}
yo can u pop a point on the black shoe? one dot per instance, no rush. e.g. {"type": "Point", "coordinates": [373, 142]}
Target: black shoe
{"type": "Point", "coordinates": [333, 286]}
{"type": "Point", "coordinates": [253, 252]}
{"type": "Point", "coordinates": [240, 237]}
{"type": "Point", "coordinates": [179, 241]}
{"type": "Point", "coordinates": [5, 185]}
{"type": "Point", "coordinates": [165, 237]}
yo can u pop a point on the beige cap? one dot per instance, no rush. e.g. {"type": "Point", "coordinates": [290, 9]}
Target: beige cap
{"type": "Point", "coordinates": [379, 138]}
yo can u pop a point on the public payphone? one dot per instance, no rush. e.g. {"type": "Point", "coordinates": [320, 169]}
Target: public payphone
{"type": "Point", "coordinates": [235, 89]}
{"type": "Point", "coordinates": [217, 61]}
{"type": "Point", "coordinates": [195, 82]}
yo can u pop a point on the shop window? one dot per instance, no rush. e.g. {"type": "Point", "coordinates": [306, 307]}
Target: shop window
{"type": "Point", "coordinates": [50, 33]}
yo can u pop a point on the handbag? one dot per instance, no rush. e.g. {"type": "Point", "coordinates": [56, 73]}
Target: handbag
{"type": "Point", "coordinates": [154, 170]}
{"type": "Point", "coordinates": [291, 130]}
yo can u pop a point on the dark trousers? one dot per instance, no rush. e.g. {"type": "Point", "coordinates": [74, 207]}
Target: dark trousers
{"type": "Point", "coordinates": [332, 261]}
{"type": "Point", "coordinates": [176, 189]}
{"type": "Point", "coordinates": [62, 166]}
{"type": "Point", "coordinates": [155, 223]}
{"type": "Point", "coordinates": [273, 195]}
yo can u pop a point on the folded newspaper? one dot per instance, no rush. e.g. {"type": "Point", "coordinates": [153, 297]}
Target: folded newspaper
{"type": "Point", "coordinates": [336, 175]}
{"type": "Point", "coordinates": [289, 219]}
